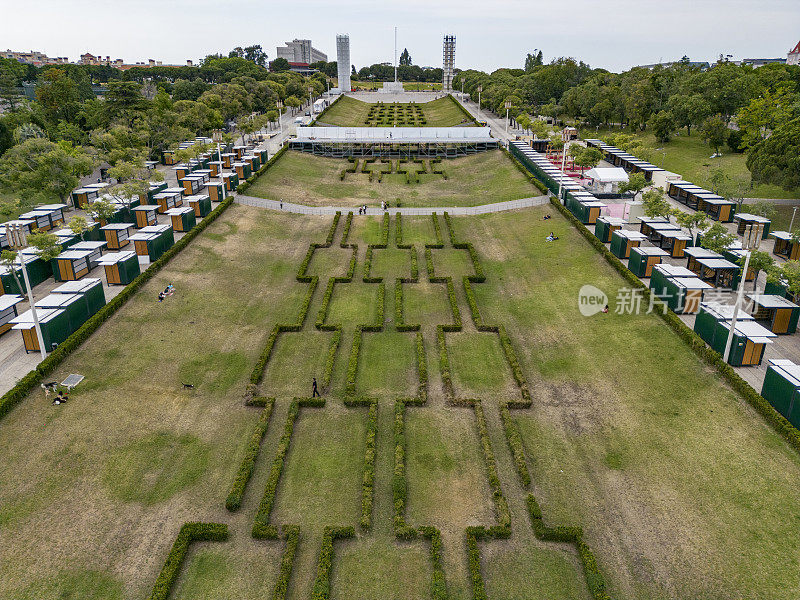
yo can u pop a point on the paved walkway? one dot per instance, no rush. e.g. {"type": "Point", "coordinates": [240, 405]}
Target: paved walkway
{"type": "Point", "coordinates": [404, 210]}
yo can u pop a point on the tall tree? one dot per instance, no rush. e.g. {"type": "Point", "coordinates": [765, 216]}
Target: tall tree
{"type": "Point", "coordinates": [715, 132]}
{"type": "Point", "coordinates": [777, 159]}
{"type": "Point", "coordinates": [39, 169]}
{"type": "Point", "coordinates": [405, 58]}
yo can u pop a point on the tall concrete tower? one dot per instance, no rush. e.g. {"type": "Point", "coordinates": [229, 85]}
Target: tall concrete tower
{"type": "Point", "coordinates": [448, 63]}
{"type": "Point", "coordinates": [343, 62]}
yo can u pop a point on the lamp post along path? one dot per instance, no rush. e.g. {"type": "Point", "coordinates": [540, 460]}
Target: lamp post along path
{"type": "Point", "coordinates": [750, 241]}
{"type": "Point", "coordinates": [508, 106]}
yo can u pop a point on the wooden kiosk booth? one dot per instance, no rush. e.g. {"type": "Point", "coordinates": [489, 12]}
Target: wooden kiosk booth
{"type": "Point", "coordinates": [121, 267]}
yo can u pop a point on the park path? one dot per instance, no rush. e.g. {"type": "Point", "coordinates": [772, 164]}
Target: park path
{"type": "Point", "coordinates": [404, 210]}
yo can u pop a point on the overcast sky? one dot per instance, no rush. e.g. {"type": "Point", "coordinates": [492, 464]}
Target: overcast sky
{"type": "Point", "coordinates": [613, 34]}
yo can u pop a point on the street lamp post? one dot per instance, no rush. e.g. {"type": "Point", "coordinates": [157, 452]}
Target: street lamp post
{"type": "Point", "coordinates": [480, 89]}
{"type": "Point", "coordinates": [310, 101]}
{"type": "Point", "coordinates": [750, 241]}
{"type": "Point", "coordinates": [508, 106]}
{"type": "Point", "coordinates": [563, 166]}
{"type": "Point", "coordinates": [279, 104]}
{"type": "Point", "coordinates": [794, 212]}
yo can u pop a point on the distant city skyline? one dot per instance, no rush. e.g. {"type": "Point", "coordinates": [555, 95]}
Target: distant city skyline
{"type": "Point", "coordinates": [614, 35]}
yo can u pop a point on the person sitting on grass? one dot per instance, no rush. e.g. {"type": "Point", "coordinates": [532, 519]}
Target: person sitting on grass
{"type": "Point", "coordinates": [552, 237]}
{"type": "Point", "coordinates": [544, 218]}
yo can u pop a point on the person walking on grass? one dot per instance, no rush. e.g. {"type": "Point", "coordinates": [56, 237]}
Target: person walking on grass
{"type": "Point", "coordinates": [314, 390]}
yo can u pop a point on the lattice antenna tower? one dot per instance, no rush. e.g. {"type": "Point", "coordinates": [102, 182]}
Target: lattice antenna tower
{"type": "Point", "coordinates": [448, 63]}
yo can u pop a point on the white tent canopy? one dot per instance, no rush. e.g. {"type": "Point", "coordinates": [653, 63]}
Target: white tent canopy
{"type": "Point", "coordinates": [607, 174]}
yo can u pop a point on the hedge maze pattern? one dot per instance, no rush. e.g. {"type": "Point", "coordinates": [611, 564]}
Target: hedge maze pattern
{"type": "Point", "coordinates": [381, 321]}
{"type": "Point", "coordinates": [395, 114]}
{"type": "Point", "coordinates": [375, 169]}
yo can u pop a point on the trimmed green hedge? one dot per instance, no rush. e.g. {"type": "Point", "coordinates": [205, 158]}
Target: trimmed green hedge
{"type": "Point", "coordinates": [292, 535]}
{"type": "Point", "coordinates": [23, 387]}
{"type": "Point", "coordinates": [537, 184]}
{"type": "Point", "coordinates": [368, 480]}
{"type": "Point", "coordinates": [322, 584]}
{"type": "Point", "coordinates": [514, 440]}
{"type": "Point", "coordinates": [189, 532]}
{"type": "Point", "coordinates": [502, 512]}
{"type": "Point", "coordinates": [242, 187]}
{"type": "Point", "coordinates": [262, 529]}
{"type": "Point", "coordinates": [437, 230]}
{"type": "Point", "coordinates": [463, 110]}
{"type": "Point", "coordinates": [438, 583]}
{"type": "Point", "coordinates": [234, 500]}
{"type": "Point", "coordinates": [594, 578]}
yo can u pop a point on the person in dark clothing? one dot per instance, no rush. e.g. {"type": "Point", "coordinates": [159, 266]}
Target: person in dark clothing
{"type": "Point", "coordinates": [160, 296]}
{"type": "Point", "coordinates": [314, 390]}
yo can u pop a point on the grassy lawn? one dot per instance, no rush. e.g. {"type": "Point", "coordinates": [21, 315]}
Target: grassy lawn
{"type": "Point", "coordinates": [218, 572]}
{"type": "Point", "coordinates": [630, 433]}
{"type": "Point", "coordinates": [349, 112]}
{"type": "Point", "coordinates": [473, 180]}
{"type": "Point", "coordinates": [689, 156]}
{"type": "Point", "coordinates": [381, 568]}
{"type": "Point", "coordinates": [321, 484]}
{"type": "Point", "coordinates": [681, 489]}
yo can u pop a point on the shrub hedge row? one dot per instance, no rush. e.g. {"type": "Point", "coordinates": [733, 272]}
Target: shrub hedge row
{"type": "Point", "coordinates": [422, 369]}
{"type": "Point", "coordinates": [266, 353]}
{"type": "Point", "coordinates": [302, 277]}
{"type": "Point", "coordinates": [514, 440]}
{"type": "Point", "coordinates": [189, 532]}
{"type": "Point", "coordinates": [536, 183]}
{"type": "Point", "coordinates": [234, 499]}
{"type": "Point", "coordinates": [437, 231]}
{"type": "Point", "coordinates": [399, 311]}
{"type": "Point", "coordinates": [346, 230]}
{"type": "Point", "coordinates": [474, 561]}
{"type": "Point", "coordinates": [322, 584]}
{"type": "Point", "coordinates": [399, 487]}
{"type": "Point", "coordinates": [479, 276]}
{"type": "Point", "coordinates": [368, 479]}
{"type": "Point", "coordinates": [502, 512]}
{"type": "Point", "coordinates": [594, 578]}
{"type": "Point", "coordinates": [444, 364]}
{"type": "Point", "coordinates": [713, 358]}
{"type": "Point", "coordinates": [438, 582]}
{"type": "Point", "coordinates": [262, 529]}
{"type": "Point", "coordinates": [292, 535]}
{"type": "Point", "coordinates": [242, 187]}
{"type": "Point", "coordinates": [23, 387]}
{"type": "Point", "coordinates": [355, 351]}
{"type": "Point", "coordinates": [398, 232]}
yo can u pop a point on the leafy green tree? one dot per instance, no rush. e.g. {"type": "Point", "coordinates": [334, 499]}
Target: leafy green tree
{"type": "Point", "coordinates": [28, 131]}
{"type": "Point", "coordinates": [539, 129]}
{"type": "Point", "coordinates": [58, 95]}
{"type": "Point", "coordinates": [763, 208]}
{"type": "Point", "coordinates": [766, 114]}
{"type": "Point", "coordinates": [636, 183]}
{"type": "Point", "coordinates": [790, 273]}
{"type": "Point", "coordinates": [279, 65]}
{"type": "Point", "coordinates": [775, 160]}
{"type": "Point", "coordinates": [662, 124]}
{"type": "Point", "coordinates": [256, 54]}
{"type": "Point", "coordinates": [759, 261]}
{"type": "Point", "coordinates": [585, 158]}
{"type": "Point", "coordinates": [655, 205]}
{"type": "Point", "coordinates": [102, 210]}
{"type": "Point", "coordinates": [39, 169]}
{"type": "Point", "coordinates": [717, 238]}
{"type": "Point", "coordinates": [688, 110]}
{"type": "Point", "coordinates": [11, 74]}
{"type": "Point", "coordinates": [405, 58]}
{"type": "Point", "coordinates": [46, 245]}
{"type": "Point", "coordinates": [8, 259]}
{"type": "Point", "coordinates": [715, 132]}
{"type": "Point", "coordinates": [693, 221]}
{"type": "Point", "coordinates": [78, 225]}
{"type": "Point", "coordinates": [133, 179]}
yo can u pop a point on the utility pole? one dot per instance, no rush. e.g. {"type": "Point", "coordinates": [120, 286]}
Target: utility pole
{"type": "Point", "coordinates": [750, 241]}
